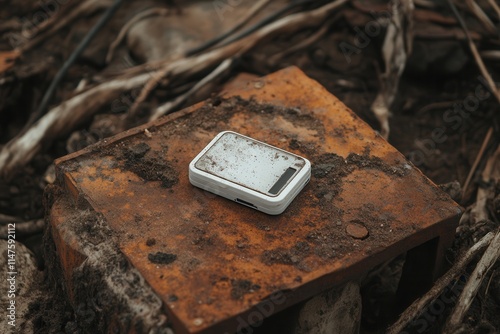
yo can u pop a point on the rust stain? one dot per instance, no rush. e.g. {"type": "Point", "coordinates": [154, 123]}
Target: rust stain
{"type": "Point", "coordinates": [215, 260]}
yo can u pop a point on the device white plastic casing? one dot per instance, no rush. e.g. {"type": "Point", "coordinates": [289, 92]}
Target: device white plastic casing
{"type": "Point", "coordinates": [250, 172]}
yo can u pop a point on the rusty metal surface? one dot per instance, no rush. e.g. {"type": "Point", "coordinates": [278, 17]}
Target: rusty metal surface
{"type": "Point", "coordinates": [213, 261]}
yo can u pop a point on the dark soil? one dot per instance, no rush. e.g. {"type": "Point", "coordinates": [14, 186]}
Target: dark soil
{"type": "Point", "coordinates": [150, 168]}
{"type": "Point", "coordinates": [162, 258]}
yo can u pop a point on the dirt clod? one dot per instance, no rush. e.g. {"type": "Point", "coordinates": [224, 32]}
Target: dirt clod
{"type": "Point", "coordinates": [162, 258]}
{"type": "Point", "coordinates": [137, 151]}
{"type": "Point", "coordinates": [150, 168]}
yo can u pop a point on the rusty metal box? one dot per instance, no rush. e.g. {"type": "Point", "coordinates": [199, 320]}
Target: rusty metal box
{"type": "Point", "coordinates": [213, 262]}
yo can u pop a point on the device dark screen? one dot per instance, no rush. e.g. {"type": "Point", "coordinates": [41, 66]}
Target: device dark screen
{"type": "Point", "coordinates": [282, 180]}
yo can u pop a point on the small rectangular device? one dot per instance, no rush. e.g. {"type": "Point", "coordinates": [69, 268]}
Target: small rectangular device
{"type": "Point", "coordinates": [250, 172]}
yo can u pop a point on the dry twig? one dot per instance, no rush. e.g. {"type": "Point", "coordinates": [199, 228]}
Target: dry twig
{"type": "Point", "coordinates": [425, 3]}
{"type": "Point", "coordinates": [169, 106]}
{"type": "Point", "coordinates": [481, 16]}
{"type": "Point", "coordinates": [490, 54]}
{"type": "Point", "coordinates": [495, 7]}
{"type": "Point", "coordinates": [475, 53]}
{"type": "Point", "coordinates": [479, 156]}
{"type": "Point", "coordinates": [437, 105]}
{"type": "Point", "coordinates": [466, 298]}
{"type": "Point", "coordinates": [415, 309]}
{"type": "Point", "coordinates": [490, 173]}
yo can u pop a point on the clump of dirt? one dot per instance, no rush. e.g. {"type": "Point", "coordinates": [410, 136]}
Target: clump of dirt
{"type": "Point", "coordinates": [331, 165]}
{"type": "Point", "coordinates": [162, 258]}
{"type": "Point", "coordinates": [370, 162]}
{"type": "Point", "coordinates": [241, 287]}
{"type": "Point", "coordinates": [332, 168]}
{"type": "Point", "coordinates": [289, 256]}
{"type": "Point", "coordinates": [149, 168]}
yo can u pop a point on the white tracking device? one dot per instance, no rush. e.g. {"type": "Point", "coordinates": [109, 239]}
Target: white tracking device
{"type": "Point", "coordinates": [250, 172]}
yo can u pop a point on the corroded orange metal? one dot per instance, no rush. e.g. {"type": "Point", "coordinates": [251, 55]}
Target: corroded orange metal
{"type": "Point", "coordinates": [227, 263]}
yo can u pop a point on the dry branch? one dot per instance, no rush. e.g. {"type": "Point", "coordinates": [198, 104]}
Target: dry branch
{"type": "Point", "coordinates": [490, 54]}
{"type": "Point", "coordinates": [60, 120]}
{"type": "Point", "coordinates": [491, 172]}
{"type": "Point", "coordinates": [415, 309]}
{"type": "Point", "coordinates": [479, 156]}
{"type": "Point", "coordinates": [495, 7]}
{"type": "Point", "coordinates": [466, 298]}
{"type": "Point", "coordinates": [481, 16]}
